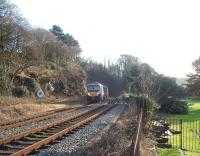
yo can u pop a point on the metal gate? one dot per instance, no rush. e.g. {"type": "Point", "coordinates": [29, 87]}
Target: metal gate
{"type": "Point", "coordinates": [184, 134]}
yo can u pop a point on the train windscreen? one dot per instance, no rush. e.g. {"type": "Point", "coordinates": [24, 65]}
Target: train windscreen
{"type": "Point", "coordinates": [93, 88]}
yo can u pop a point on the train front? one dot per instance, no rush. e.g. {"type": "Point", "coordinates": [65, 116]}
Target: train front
{"type": "Point", "coordinates": [94, 93]}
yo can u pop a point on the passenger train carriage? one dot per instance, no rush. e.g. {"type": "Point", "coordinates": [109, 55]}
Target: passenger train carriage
{"type": "Point", "coordinates": [96, 92]}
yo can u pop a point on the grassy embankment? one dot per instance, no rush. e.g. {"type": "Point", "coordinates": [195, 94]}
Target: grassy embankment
{"type": "Point", "coordinates": [188, 136]}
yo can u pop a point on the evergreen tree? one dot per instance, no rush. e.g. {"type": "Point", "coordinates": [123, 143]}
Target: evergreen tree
{"type": "Point", "coordinates": [65, 38]}
{"type": "Point", "coordinates": [57, 31]}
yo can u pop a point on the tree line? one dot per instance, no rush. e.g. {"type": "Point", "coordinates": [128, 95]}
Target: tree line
{"type": "Point", "coordinates": [129, 75]}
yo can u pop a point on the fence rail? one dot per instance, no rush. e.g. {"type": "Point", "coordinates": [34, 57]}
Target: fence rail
{"type": "Point", "coordinates": [135, 147]}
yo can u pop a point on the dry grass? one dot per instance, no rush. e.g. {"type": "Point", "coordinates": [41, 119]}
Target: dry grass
{"type": "Point", "coordinates": [24, 110]}
{"type": "Point", "coordinates": [9, 100]}
{"type": "Point", "coordinates": [12, 108]}
{"type": "Point", "coordinates": [147, 147]}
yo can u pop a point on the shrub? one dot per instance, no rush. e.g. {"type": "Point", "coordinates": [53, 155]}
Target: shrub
{"type": "Point", "coordinates": [174, 106]}
{"type": "Point", "coordinates": [147, 104]}
{"type": "Point", "coordinates": [31, 83]}
{"type": "Point", "coordinates": [179, 107]}
{"type": "Point", "coordinates": [165, 104]}
{"type": "Point", "coordinates": [127, 97]}
{"type": "Point", "coordinates": [51, 66]}
{"type": "Point", "coordinates": [20, 91]}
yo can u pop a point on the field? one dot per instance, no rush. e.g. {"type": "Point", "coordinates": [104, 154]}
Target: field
{"type": "Point", "coordinates": [189, 139]}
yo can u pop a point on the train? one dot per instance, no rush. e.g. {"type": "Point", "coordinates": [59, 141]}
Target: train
{"type": "Point", "coordinates": [96, 92]}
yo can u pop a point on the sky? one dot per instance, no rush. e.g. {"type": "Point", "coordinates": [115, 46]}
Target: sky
{"type": "Point", "coordinates": [162, 33]}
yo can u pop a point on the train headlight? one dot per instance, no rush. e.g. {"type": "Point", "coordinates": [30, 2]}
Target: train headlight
{"type": "Point", "coordinates": [94, 94]}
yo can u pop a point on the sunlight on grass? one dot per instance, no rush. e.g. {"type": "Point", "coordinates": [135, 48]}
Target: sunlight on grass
{"type": "Point", "coordinates": [188, 153]}
{"type": "Point", "coordinates": [168, 152]}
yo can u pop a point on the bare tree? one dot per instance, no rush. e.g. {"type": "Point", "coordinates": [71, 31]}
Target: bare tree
{"type": "Point", "coordinates": [15, 51]}
{"type": "Point", "coordinates": [7, 9]}
{"type": "Point", "coordinates": [41, 38]}
{"type": "Point", "coordinates": [148, 81]}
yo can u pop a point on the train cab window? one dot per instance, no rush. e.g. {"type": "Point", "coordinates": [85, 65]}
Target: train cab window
{"type": "Point", "coordinates": [93, 88]}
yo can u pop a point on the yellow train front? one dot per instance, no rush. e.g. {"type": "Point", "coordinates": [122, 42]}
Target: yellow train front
{"type": "Point", "coordinates": [96, 92]}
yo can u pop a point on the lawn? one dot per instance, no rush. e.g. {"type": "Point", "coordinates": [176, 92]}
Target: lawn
{"type": "Point", "coordinates": [168, 152]}
{"type": "Point", "coordinates": [194, 111]}
{"type": "Point", "coordinates": [190, 136]}
{"type": "Point", "coordinates": [188, 153]}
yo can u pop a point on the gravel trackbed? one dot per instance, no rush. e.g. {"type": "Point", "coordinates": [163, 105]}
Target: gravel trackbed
{"type": "Point", "coordinates": [67, 145]}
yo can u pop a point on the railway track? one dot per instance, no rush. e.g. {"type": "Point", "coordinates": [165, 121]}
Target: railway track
{"type": "Point", "coordinates": [37, 117]}
{"type": "Point", "coordinates": [29, 141]}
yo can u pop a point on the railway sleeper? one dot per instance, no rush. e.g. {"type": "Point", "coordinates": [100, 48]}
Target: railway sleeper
{"type": "Point", "coordinates": [46, 133]}
{"type": "Point", "coordinates": [40, 136]}
{"type": "Point", "coordinates": [54, 130]}
{"type": "Point", "coordinates": [57, 128]}
{"type": "Point", "coordinates": [19, 142]}
{"type": "Point", "coordinates": [5, 152]}
{"type": "Point", "coordinates": [73, 131]}
{"type": "Point", "coordinates": [32, 139]}
{"type": "Point", "coordinates": [50, 130]}
{"type": "Point", "coordinates": [46, 146]}
{"type": "Point", "coordinates": [54, 142]}
{"type": "Point", "coordinates": [66, 135]}
{"type": "Point", "coordinates": [66, 123]}
{"type": "Point", "coordinates": [9, 146]}
{"type": "Point", "coordinates": [35, 152]}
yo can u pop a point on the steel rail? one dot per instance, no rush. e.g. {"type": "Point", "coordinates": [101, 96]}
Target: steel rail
{"type": "Point", "coordinates": [40, 117]}
{"type": "Point", "coordinates": [36, 130]}
{"type": "Point", "coordinates": [55, 136]}
{"type": "Point", "coordinates": [37, 118]}
{"type": "Point", "coordinates": [33, 116]}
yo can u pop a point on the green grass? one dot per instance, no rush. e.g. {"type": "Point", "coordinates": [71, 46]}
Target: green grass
{"type": "Point", "coordinates": [168, 152]}
{"type": "Point", "coordinates": [188, 153]}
